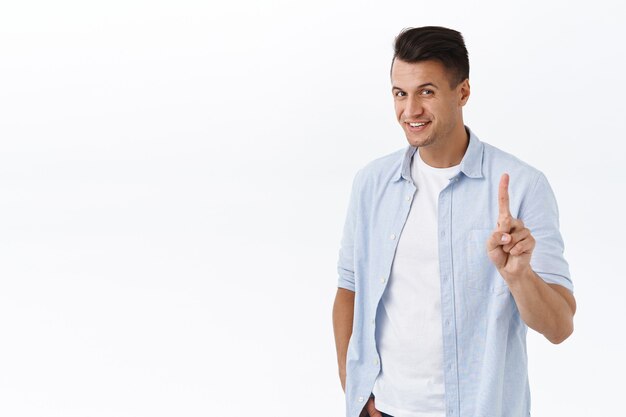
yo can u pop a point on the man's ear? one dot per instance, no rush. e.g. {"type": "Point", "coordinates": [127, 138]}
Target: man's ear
{"type": "Point", "coordinates": [464, 92]}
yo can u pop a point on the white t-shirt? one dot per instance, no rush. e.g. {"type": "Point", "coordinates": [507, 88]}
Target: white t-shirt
{"type": "Point", "coordinates": [408, 321]}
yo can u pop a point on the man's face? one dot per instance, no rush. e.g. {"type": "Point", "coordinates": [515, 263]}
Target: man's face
{"type": "Point", "coordinates": [427, 108]}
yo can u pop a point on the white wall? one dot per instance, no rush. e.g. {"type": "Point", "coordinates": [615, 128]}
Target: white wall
{"type": "Point", "coordinates": [174, 178]}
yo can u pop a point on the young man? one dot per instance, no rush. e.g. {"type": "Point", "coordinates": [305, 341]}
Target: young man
{"type": "Point", "coordinates": [450, 251]}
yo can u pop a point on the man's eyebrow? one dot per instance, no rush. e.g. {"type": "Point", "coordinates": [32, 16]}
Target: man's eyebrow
{"type": "Point", "coordinates": [419, 86]}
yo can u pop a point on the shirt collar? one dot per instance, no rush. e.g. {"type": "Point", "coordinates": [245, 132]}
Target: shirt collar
{"type": "Point", "coordinates": [471, 164]}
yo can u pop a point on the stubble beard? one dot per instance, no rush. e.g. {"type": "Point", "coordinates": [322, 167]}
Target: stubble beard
{"type": "Point", "coordinates": [429, 140]}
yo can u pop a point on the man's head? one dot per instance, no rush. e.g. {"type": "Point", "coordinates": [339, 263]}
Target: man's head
{"type": "Point", "coordinates": [434, 43]}
{"type": "Point", "coordinates": [430, 84]}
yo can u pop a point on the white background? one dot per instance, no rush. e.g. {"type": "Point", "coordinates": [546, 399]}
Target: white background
{"type": "Point", "coordinates": [174, 178]}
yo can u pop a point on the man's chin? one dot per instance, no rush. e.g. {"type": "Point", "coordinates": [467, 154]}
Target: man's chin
{"type": "Point", "coordinates": [419, 141]}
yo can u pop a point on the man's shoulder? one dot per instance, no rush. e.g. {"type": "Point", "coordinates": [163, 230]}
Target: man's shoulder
{"type": "Point", "coordinates": [496, 161]}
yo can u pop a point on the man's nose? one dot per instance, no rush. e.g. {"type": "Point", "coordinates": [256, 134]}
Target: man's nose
{"type": "Point", "coordinates": [413, 108]}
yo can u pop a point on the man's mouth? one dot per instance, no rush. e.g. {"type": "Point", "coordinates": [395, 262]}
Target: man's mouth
{"type": "Point", "coordinates": [417, 125]}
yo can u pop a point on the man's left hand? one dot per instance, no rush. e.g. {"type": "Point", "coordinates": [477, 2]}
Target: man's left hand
{"type": "Point", "coordinates": [511, 244]}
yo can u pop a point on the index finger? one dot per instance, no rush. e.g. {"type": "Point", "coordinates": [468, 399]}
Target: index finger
{"type": "Point", "coordinates": [503, 196]}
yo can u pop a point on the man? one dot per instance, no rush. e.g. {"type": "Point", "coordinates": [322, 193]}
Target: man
{"type": "Point", "coordinates": [450, 251]}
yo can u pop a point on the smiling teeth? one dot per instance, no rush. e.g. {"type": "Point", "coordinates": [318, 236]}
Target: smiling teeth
{"type": "Point", "coordinates": [417, 124]}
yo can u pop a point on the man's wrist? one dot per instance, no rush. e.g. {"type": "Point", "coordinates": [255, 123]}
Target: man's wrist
{"type": "Point", "coordinates": [520, 278]}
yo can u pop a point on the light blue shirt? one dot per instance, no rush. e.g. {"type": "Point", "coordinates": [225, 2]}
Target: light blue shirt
{"type": "Point", "coordinates": [484, 337]}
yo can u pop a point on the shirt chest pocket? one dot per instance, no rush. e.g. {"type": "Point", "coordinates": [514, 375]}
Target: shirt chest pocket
{"type": "Point", "coordinates": [480, 273]}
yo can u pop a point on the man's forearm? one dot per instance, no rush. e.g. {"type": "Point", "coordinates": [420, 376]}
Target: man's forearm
{"type": "Point", "coordinates": [343, 315]}
{"type": "Point", "coordinates": [544, 308]}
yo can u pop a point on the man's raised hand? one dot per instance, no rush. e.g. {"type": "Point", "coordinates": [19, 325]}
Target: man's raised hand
{"type": "Point", "coordinates": [511, 244]}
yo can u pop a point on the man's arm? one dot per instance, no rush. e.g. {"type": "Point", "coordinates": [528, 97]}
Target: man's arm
{"type": "Point", "coordinates": [343, 314]}
{"type": "Point", "coordinates": [546, 308]}
{"type": "Point", "coordinates": [343, 309]}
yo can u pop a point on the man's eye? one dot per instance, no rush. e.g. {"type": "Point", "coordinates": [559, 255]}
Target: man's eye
{"type": "Point", "coordinates": [400, 94]}
{"type": "Point", "coordinates": [427, 92]}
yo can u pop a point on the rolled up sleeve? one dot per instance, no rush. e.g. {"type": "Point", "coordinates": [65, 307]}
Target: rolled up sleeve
{"type": "Point", "coordinates": [345, 264]}
{"type": "Point", "coordinates": [540, 215]}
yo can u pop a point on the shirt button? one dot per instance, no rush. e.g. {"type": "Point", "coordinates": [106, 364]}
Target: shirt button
{"type": "Point", "coordinates": [443, 233]}
{"type": "Point", "coordinates": [383, 280]}
{"type": "Point", "coordinates": [408, 198]}
{"type": "Point", "coordinates": [392, 237]}
{"type": "Point", "coordinates": [373, 321]}
{"type": "Point", "coordinates": [360, 399]}
{"type": "Point", "coordinates": [376, 361]}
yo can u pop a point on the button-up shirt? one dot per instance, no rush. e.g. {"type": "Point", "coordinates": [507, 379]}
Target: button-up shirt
{"type": "Point", "coordinates": [484, 337]}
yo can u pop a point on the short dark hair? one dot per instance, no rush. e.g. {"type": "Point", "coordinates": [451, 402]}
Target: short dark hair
{"type": "Point", "coordinates": [434, 43]}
